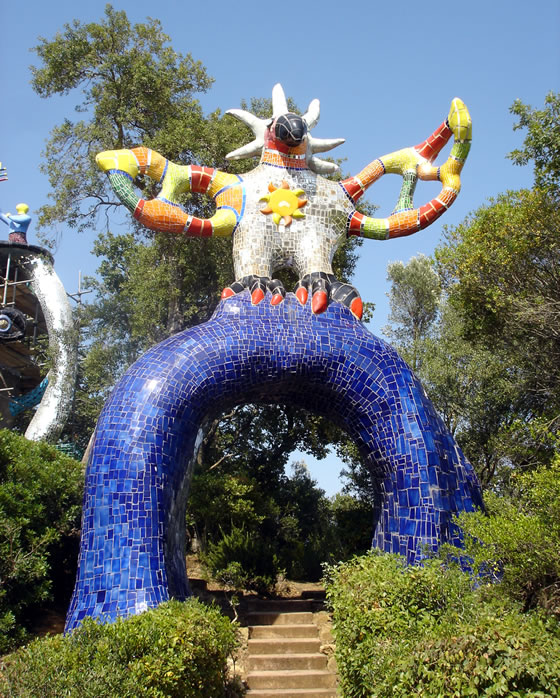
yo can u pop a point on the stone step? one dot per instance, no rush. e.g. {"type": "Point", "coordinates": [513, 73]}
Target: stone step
{"type": "Point", "coordinates": [198, 584]}
{"type": "Point", "coordinates": [283, 662]}
{"type": "Point", "coordinates": [280, 605]}
{"type": "Point", "coordinates": [294, 693]}
{"type": "Point", "coordinates": [305, 678]}
{"type": "Point", "coordinates": [296, 618]}
{"type": "Point", "coordinates": [270, 631]}
{"type": "Point", "coordinates": [282, 645]}
{"type": "Point", "coordinates": [315, 594]}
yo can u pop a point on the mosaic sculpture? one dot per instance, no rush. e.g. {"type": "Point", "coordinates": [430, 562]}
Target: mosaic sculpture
{"type": "Point", "coordinates": [306, 215]}
{"type": "Point", "coordinates": [57, 390]}
{"type": "Point", "coordinates": [18, 223]}
{"type": "Point", "coordinates": [316, 355]}
{"type": "Point", "coordinates": [33, 266]}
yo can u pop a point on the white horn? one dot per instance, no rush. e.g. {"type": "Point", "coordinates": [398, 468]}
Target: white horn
{"type": "Point", "coordinates": [279, 103]}
{"type": "Point", "coordinates": [321, 145]}
{"type": "Point", "coordinates": [246, 151]}
{"type": "Point", "coordinates": [257, 126]}
{"type": "Point", "coordinates": [311, 116]}
{"type": "Point", "coordinates": [321, 166]}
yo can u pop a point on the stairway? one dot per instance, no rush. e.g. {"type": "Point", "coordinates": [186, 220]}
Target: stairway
{"type": "Point", "coordinates": [284, 651]}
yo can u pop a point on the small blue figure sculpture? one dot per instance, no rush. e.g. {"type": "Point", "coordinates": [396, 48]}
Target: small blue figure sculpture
{"type": "Point", "coordinates": [18, 223]}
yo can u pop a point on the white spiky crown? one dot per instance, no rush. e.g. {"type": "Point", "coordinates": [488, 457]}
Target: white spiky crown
{"type": "Point", "coordinates": [279, 107]}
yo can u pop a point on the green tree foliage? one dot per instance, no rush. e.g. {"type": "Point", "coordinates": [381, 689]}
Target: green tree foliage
{"type": "Point", "coordinates": [241, 559]}
{"type": "Point", "coordinates": [250, 532]}
{"type": "Point", "coordinates": [135, 89]}
{"type": "Point", "coordinates": [178, 649]}
{"type": "Point", "coordinates": [472, 387]}
{"type": "Point", "coordinates": [410, 631]}
{"type": "Point", "coordinates": [40, 507]}
{"type": "Point", "coordinates": [476, 390]}
{"type": "Point", "coordinates": [352, 528]}
{"type": "Point", "coordinates": [500, 269]}
{"type": "Point", "coordinates": [413, 300]}
{"type": "Point", "coordinates": [517, 542]}
{"type": "Point", "coordinates": [542, 140]}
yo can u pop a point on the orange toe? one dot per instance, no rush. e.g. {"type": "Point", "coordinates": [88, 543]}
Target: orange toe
{"type": "Point", "coordinates": [276, 299]}
{"type": "Point", "coordinates": [227, 292]}
{"type": "Point", "coordinates": [257, 296]}
{"type": "Point", "coordinates": [319, 302]}
{"type": "Point", "coordinates": [301, 295]}
{"type": "Point", "coordinates": [357, 307]}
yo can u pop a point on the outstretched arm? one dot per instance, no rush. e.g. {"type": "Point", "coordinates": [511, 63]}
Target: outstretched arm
{"type": "Point", "coordinates": [413, 164]}
{"type": "Point", "coordinates": [164, 213]}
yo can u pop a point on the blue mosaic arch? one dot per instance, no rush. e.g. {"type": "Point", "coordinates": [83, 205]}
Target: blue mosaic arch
{"type": "Point", "coordinates": [133, 533]}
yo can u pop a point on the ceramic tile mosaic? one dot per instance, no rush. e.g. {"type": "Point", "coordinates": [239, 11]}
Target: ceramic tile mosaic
{"type": "Point", "coordinates": [132, 551]}
{"type": "Point", "coordinates": [284, 213]}
{"type": "Point", "coordinates": [263, 345]}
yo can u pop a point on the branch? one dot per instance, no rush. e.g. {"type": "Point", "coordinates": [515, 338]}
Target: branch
{"type": "Point", "coordinates": [217, 463]}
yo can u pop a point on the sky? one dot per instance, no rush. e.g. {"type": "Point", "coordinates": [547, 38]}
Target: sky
{"type": "Point", "coordinates": [384, 72]}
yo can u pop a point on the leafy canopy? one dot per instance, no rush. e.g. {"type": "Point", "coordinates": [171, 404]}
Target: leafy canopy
{"type": "Point", "coordinates": [135, 89]}
{"type": "Point", "coordinates": [542, 140]}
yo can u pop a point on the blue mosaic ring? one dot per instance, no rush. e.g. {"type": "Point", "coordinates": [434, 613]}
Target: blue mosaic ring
{"type": "Point", "coordinates": [133, 536]}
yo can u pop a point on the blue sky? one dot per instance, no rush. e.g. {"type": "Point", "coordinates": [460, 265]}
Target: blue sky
{"type": "Point", "coordinates": [385, 74]}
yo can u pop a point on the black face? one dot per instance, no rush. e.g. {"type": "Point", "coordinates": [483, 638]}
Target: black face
{"type": "Point", "coordinates": [290, 128]}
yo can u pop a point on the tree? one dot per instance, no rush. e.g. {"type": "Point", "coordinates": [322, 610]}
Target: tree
{"type": "Point", "coordinates": [501, 271]}
{"type": "Point", "coordinates": [413, 299]}
{"type": "Point", "coordinates": [542, 141]}
{"type": "Point", "coordinates": [475, 390]}
{"type": "Point", "coordinates": [517, 541]}
{"type": "Point", "coordinates": [135, 89]}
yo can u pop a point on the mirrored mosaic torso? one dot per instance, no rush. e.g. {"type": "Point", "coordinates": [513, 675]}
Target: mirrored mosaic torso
{"type": "Point", "coordinates": [261, 246]}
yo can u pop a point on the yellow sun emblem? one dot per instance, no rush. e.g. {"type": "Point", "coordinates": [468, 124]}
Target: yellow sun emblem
{"type": "Point", "coordinates": [283, 203]}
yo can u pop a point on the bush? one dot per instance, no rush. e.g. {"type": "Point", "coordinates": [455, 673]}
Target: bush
{"type": "Point", "coordinates": [517, 540]}
{"type": "Point", "coordinates": [40, 509]}
{"type": "Point", "coordinates": [500, 652]}
{"type": "Point", "coordinates": [423, 631]}
{"type": "Point", "coordinates": [177, 649]}
{"type": "Point", "coordinates": [242, 561]}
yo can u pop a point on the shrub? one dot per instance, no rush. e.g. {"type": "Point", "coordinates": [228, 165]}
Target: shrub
{"type": "Point", "coordinates": [517, 541]}
{"type": "Point", "coordinates": [40, 508]}
{"type": "Point", "coordinates": [242, 561]}
{"type": "Point", "coordinates": [499, 652]}
{"type": "Point", "coordinates": [177, 649]}
{"type": "Point", "coordinates": [423, 631]}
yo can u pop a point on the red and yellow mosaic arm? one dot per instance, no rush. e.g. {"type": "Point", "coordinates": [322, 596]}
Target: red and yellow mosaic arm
{"type": "Point", "coordinates": [164, 213]}
{"type": "Point", "coordinates": [413, 164]}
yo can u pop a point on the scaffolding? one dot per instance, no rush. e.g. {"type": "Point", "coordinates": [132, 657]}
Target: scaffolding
{"type": "Point", "coordinates": [22, 361]}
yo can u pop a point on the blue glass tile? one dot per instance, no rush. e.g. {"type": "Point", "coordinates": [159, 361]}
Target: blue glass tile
{"type": "Point", "coordinates": [329, 364]}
